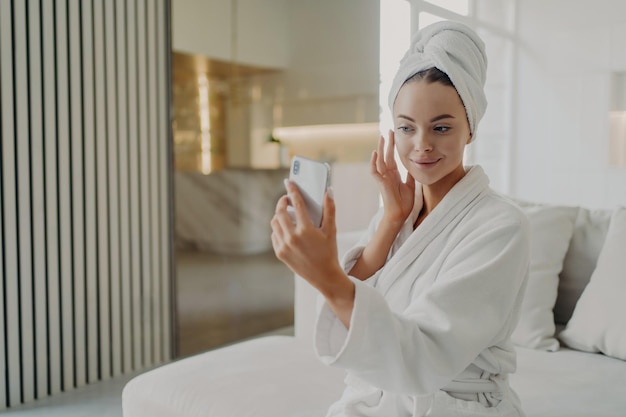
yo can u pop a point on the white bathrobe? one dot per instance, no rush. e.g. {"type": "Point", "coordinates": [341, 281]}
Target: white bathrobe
{"type": "Point", "coordinates": [430, 332]}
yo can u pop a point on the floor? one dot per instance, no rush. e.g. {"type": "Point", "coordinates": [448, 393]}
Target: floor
{"type": "Point", "coordinates": [221, 300]}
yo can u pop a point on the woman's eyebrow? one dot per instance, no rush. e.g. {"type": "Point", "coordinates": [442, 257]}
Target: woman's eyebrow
{"type": "Point", "coordinates": [434, 119]}
{"type": "Point", "coordinates": [441, 116]}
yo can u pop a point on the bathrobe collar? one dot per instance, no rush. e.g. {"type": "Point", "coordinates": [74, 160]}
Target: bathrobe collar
{"type": "Point", "coordinates": [411, 243]}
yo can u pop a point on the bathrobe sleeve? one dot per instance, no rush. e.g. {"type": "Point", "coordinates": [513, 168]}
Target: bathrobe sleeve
{"type": "Point", "coordinates": [352, 255]}
{"type": "Point", "coordinates": [468, 308]}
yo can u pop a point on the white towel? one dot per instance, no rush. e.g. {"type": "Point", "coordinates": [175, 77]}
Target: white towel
{"type": "Point", "coordinates": [456, 50]}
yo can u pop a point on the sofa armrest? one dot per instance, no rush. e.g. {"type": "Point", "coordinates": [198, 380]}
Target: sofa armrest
{"type": "Point", "coordinates": [306, 296]}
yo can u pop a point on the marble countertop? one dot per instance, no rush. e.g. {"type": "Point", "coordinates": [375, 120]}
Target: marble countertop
{"type": "Point", "coordinates": [227, 211]}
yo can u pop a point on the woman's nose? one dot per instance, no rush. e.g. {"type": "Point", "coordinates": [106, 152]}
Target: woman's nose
{"type": "Point", "coordinates": [422, 143]}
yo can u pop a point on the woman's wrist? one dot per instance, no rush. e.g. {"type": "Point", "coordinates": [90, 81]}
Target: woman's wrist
{"type": "Point", "coordinates": [392, 224]}
{"type": "Point", "coordinates": [336, 285]}
{"type": "Point", "coordinates": [340, 298]}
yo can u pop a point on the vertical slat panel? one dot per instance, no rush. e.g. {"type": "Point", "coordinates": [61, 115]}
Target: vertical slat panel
{"type": "Point", "coordinates": [27, 327]}
{"type": "Point", "coordinates": [78, 225]}
{"type": "Point", "coordinates": [165, 170]}
{"type": "Point", "coordinates": [51, 193]}
{"type": "Point", "coordinates": [65, 198]}
{"type": "Point", "coordinates": [85, 188]}
{"type": "Point", "coordinates": [38, 201]}
{"type": "Point", "coordinates": [9, 207]}
{"type": "Point", "coordinates": [102, 134]}
{"type": "Point", "coordinates": [153, 152]}
{"type": "Point", "coordinates": [144, 179]}
{"type": "Point", "coordinates": [122, 133]}
{"type": "Point", "coordinates": [91, 224]}
{"type": "Point", "coordinates": [133, 156]}
{"type": "Point", "coordinates": [114, 220]}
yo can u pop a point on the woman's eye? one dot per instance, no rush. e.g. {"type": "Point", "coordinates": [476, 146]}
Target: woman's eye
{"type": "Point", "coordinates": [404, 129]}
{"type": "Point", "coordinates": [442, 129]}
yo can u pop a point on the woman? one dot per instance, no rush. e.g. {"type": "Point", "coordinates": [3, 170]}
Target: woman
{"type": "Point", "coordinates": [421, 311]}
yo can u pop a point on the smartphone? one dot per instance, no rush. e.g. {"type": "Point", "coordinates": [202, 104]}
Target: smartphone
{"type": "Point", "coordinates": [312, 178]}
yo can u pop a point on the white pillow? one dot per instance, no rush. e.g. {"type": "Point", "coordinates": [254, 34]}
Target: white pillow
{"type": "Point", "coordinates": [598, 323]}
{"type": "Point", "coordinates": [551, 228]}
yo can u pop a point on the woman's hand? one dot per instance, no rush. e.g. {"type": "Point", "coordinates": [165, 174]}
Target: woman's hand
{"type": "Point", "coordinates": [311, 252]}
{"type": "Point", "coordinates": [398, 197]}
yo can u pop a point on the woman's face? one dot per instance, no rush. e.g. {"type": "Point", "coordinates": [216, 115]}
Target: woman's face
{"type": "Point", "coordinates": [431, 131]}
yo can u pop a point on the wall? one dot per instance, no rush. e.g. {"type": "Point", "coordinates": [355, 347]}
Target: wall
{"type": "Point", "coordinates": [334, 52]}
{"type": "Point", "coordinates": [332, 77]}
{"type": "Point", "coordinates": [85, 194]}
{"type": "Point", "coordinates": [205, 27]}
{"type": "Point", "coordinates": [567, 52]}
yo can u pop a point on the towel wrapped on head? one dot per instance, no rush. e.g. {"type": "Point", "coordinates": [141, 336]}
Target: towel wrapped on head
{"type": "Point", "coordinates": [456, 50]}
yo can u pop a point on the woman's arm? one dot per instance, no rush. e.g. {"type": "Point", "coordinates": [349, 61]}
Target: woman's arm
{"type": "Point", "coordinates": [398, 199]}
{"type": "Point", "coordinates": [468, 308]}
{"type": "Point", "coordinates": [375, 253]}
{"type": "Point", "coordinates": [311, 252]}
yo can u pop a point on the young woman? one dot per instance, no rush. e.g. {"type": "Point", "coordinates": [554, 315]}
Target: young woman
{"type": "Point", "coordinates": [421, 311]}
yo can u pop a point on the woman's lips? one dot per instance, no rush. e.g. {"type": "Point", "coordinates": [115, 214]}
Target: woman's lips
{"type": "Point", "coordinates": [426, 163]}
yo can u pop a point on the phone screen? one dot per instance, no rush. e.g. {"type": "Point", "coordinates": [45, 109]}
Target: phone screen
{"type": "Point", "coordinates": [312, 178]}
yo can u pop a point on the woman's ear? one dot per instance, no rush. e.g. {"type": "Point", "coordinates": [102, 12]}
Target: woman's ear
{"type": "Point", "coordinates": [469, 140]}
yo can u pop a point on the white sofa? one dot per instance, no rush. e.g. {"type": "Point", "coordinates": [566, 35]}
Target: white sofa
{"type": "Point", "coordinates": [279, 376]}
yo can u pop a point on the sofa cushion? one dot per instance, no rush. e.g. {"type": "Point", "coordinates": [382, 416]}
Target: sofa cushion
{"type": "Point", "coordinates": [274, 376]}
{"type": "Point", "coordinates": [551, 229]}
{"type": "Point", "coordinates": [598, 323]}
{"type": "Point", "coordinates": [569, 383]}
{"type": "Point", "coordinates": [580, 261]}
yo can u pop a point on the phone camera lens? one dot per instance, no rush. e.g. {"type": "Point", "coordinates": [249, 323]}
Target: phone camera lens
{"type": "Point", "coordinates": [296, 167]}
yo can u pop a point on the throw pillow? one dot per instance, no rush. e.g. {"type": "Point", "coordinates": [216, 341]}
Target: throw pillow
{"type": "Point", "coordinates": [597, 324]}
{"type": "Point", "coordinates": [551, 228]}
{"type": "Point", "coordinates": [580, 260]}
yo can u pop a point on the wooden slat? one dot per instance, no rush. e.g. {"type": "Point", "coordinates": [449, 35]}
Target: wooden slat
{"type": "Point", "coordinates": [65, 190]}
{"type": "Point", "coordinates": [51, 194]}
{"type": "Point", "coordinates": [11, 277]}
{"type": "Point", "coordinates": [153, 148]}
{"type": "Point", "coordinates": [38, 202]}
{"type": "Point", "coordinates": [144, 179]}
{"type": "Point", "coordinates": [3, 333]}
{"type": "Point", "coordinates": [91, 192]}
{"type": "Point", "coordinates": [165, 171]}
{"type": "Point", "coordinates": [122, 134]}
{"type": "Point", "coordinates": [102, 136]}
{"type": "Point", "coordinates": [78, 216]}
{"type": "Point", "coordinates": [133, 156]}
{"type": "Point", "coordinates": [3, 330]}
{"type": "Point", "coordinates": [113, 195]}
{"type": "Point", "coordinates": [27, 326]}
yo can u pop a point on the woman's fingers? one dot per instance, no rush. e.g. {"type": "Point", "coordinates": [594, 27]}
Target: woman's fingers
{"type": "Point", "coordinates": [384, 158]}
{"type": "Point", "coordinates": [328, 216]}
{"type": "Point", "coordinates": [410, 181]}
{"type": "Point", "coordinates": [374, 166]}
{"type": "Point", "coordinates": [381, 167]}
{"type": "Point", "coordinates": [282, 220]}
{"type": "Point", "coordinates": [297, 202]}
{"type": "Point", "coordinates": [389, 156]}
